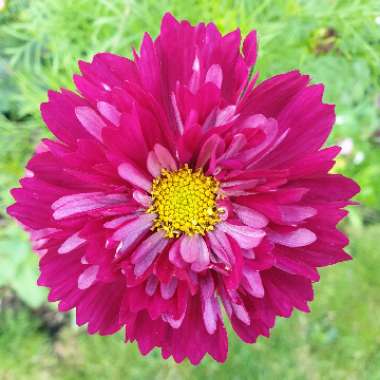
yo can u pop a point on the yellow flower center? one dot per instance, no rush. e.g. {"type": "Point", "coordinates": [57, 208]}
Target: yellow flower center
{"type": "Point", "coordinates": [185, 202]}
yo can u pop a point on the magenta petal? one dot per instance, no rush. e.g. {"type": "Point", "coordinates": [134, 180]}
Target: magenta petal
{"type": "Point", "coordinates": [239, 309]}
{"type": "Point", "coordinates": [188, 98]}
{"type": "Point", "coordinates": [250, 48]}
{"type": "Point", "coordinates": [59, 116]}
{"type": "Point", "coordinates": [272, 95]}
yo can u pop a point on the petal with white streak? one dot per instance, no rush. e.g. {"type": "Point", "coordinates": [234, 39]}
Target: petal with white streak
{"type": "Point", "coordinates": [246, 237]}
{"type": "Point", "coordinates": [91, 121]}
{"type": "Point", "coordinates": [250, 217]}
{"type": "Point", "coordinates": [72, 242]}
{"type": "Point", "coordinates": [252, 282]}
{"type": "Point", "coordinates": [148, 250]}
{"type": "Point", "coordinates": [190, 248]}
{"type": "Point", "coordinates": [88, 277]}
{"type": "Point", "coordinates": [164, 157]}
{"type": "Point", "coordinates": [297, 238]}
{"type": "Point", "coordinates": [134, 176]}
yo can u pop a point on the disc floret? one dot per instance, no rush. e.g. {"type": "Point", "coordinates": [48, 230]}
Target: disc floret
{"type": "Point", "coordinates": [184, 202]}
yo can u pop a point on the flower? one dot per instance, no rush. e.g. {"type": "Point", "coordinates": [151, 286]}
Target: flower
{"type": "Point", "coordinates": [177, 189]}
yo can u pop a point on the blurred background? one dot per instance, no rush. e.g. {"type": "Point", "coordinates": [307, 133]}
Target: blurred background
{"type": "Point", "coordinates": [337, 42]}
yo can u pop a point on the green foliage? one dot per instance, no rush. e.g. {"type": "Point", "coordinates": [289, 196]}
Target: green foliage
{"type": "Point", "coordinates": [25, 352]}
{"type": "Point", "coordinates": [18, 267]}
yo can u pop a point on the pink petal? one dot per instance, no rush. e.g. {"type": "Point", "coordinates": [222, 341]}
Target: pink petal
{"type": "Point", "coordinates": [174, 323]}
{"type": "Point", "coordinates": [203, 260]}
{"type": "Point", "coordinates": [190, 247]}
{"type": "Point", "coordinates": [209, 146]}
{"type": "Point", "coordinates": [252, 282]}
{"type": "Point", "coordinates": [238, 142]}
{"type": "Point", "coordinates": [210, 316]}
{"type": "Point", "coordinates": [177, 114]}
{"type": "Point", "coordinates": [134, 176]}
{"type": "Point", "coordinates": [221, 247]}
{"type": "Point", "coordinates": [226, 115]}
{"type": "Point", "coordinates": [72, 242]}
{"type": "Point", "coordinates": [195, 77]}
{"type": "Point", "coordinates": [70, 205]}
{"type": "Point", "coordinates": [241, 313]}
{"type": "Point", "coordinates": [298, 238]}
{"type": "Point", "coordinates": [164, 157]}
{"type": "Point", "coordinates": [168, 289]}
{"type": "Point", "coordinates": [117, 222]}
{"type": "Point", "coordinates": [209, 304]}
{"type": "Point", "coordinates": [250, 217]}
{"type": "Point", "coordinates": [109, 112]}
{"type": "Point", "coordinates": [142, 198]}
{"type": "Point", "coordinates": [215, 75]}
{"type": "Point", "coordinates": [151, 285]}
{"type": "Point", "coordinates": [148, 250]}
{"type": "Point", "coordinates": [91, 121]}
{"type": "Point", "coordinates": [296, 214]}
{"type": "Point", "coordinates": [131, 232]}
{"type": "Point", "coordinates": [153, 165]}
{"type": "Point", "coordinates": [88, 277]}
{"type": "Point", "coordinates": [240, 184]}
{"type": "Point", "coordinates": [175, 256]}
{"type": "Point", "coordinates": [245, 236]}
{"type": "Point", "coordinates": [142, 222]}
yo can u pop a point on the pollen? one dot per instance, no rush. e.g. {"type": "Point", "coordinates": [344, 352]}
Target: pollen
{"type": "Point", "coordinates": [184, 202]}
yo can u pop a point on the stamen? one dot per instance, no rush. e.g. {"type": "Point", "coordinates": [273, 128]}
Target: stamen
{"type": "Point", "coordinates": [185, 202]}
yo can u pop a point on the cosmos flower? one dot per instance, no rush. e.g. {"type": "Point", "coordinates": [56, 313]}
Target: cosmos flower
{"type": "Point", "coordinates": [178, 191]}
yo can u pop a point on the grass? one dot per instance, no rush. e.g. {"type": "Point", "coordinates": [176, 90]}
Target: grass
{"type": "Point", "coordinates": [337, 42]}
